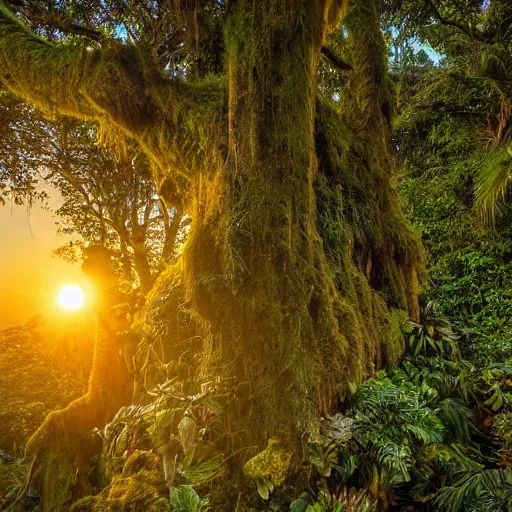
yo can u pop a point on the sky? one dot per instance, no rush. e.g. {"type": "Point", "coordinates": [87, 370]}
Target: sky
{"type": "Point", "coordinates": [30, 276]}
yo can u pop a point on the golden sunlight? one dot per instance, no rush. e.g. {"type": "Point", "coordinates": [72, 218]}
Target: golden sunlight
{"type": "Point", "coordinates": [71, 297]}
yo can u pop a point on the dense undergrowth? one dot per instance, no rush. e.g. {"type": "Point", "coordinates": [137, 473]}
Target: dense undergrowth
{"type": "Point", "coordinates": [37, 375]}
{"type": "Point", "coordinates": [432, 433]}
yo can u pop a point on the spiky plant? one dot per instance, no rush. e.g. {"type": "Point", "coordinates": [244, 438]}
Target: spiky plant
{"type": "Point", "coordinates": [431, 336]}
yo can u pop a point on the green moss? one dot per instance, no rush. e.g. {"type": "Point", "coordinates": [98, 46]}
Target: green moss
{"type": "Point", "coordinates": [139, 460]}
{"type": "Point", "coordinates": [394, 341]}
{"type": "Point", "coordinates": [274, 265]}
{"type": "Point", "coordinates": [141, 491]}
{"type": "Point", "coordinates": [376, 256]}
{"type": "Point", "coordinates": [86, 504]}
{"type": "Point", "coordinates": [273, 463]}
{"type": "Point", "coordinates": [140, 486]}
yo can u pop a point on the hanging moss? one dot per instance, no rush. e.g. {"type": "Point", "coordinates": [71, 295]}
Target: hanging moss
{"type": "Point", "coordinates": [178, 124]}
{"type": "Point", "coordinates": [385, 249]}
{"type": "Point", "coordinates": [140, 486]}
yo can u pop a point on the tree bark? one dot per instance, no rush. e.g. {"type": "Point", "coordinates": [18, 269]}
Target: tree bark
{"type": "Point", "coordinates": [172, 227]}
{"type": "Point", "coordinates": [141, 263]}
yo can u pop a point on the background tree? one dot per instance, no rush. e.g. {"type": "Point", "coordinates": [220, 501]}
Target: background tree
{"type": "Point", "coordinates": [109, 198]}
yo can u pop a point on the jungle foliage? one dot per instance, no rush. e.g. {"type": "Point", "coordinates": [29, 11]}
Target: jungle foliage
{"type": "Point", "coordinates": [428, 434]}
{"type": "Point", "coordinates": [453, 140]}
{"type": "Point", "coordinates": [289, 303]}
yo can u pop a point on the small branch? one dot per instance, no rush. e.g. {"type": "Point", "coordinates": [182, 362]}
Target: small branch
{"type": "Point", "coordinates": [337, 63]}
{"type": "Point", "coordinates": [445, 21]}
{"type": "Point", "coordinates": [56, 20]}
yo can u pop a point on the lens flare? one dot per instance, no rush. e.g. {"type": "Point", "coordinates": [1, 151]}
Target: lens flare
{"type": "Point", "coordinates": [71, 298]}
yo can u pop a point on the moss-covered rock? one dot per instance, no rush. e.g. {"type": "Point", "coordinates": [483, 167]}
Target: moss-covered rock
{"type": "Point", "coordinates": [140, 460]}
{"type": "Point", "coordinates": [141, 491]}
{"type": "Point", "coordinates": [273, 463]}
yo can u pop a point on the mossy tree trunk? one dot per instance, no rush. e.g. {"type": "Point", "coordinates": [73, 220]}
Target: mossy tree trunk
{"type": "Point", "coordinates": [256, 266]}
{"type": "Point", "coordinates": [293, 269]}
{"type": "Point", "coordinates": [263, 284]}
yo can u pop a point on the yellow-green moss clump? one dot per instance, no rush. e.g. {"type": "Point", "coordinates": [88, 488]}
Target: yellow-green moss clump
{"type": "Point", "coordinates": [273, 463]}
{"type": "Point", "coordinates": [140, 486]}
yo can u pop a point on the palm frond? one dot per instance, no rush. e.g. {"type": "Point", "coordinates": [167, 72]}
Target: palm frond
{"type": "Point", "coordinates": [493, 184]}
{"type": "Point", "coordinates": [492, 487]}
{"type": "Point", "coordinates": [457, 418]}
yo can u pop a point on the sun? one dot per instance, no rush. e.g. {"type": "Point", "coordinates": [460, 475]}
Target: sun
{"type": "Point", "coordinates": [70, 297]}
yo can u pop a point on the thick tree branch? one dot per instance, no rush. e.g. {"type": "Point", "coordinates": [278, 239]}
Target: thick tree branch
{"type": "Point", "coordinates": [121, 88]}
{"type": "Point", "coordinates": [29, 66]}
{"type": "Point", "coordinates": [337, 63]}
{"type": "Point", "coordinates": [172, 227]}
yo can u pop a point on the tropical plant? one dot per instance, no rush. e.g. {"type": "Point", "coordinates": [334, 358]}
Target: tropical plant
{"type": "Point", "coordinates": [186, 499]}
{"type": "Point", "coordinates": [177, 425]}
{"type": "Point", "coordinates": [493, 184]}
{"type": "Point", "coordinates": [348, 500]}
{"type": "Point", "coordinates": [502, 428]}
{"type": "Point", "coordinates": [394, 424]}
{"type": "Point", "coordinates": [13, 475]}
{"type": "Point", "coordinates": [486, 491]}
{"type": "Point", "coordinates": [420, 432]}
{"type": "Point", "coordinates": [433, 336]}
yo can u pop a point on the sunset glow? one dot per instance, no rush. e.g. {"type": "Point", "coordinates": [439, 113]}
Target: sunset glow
{"type": "Point", "coordinates": [71, 298]}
